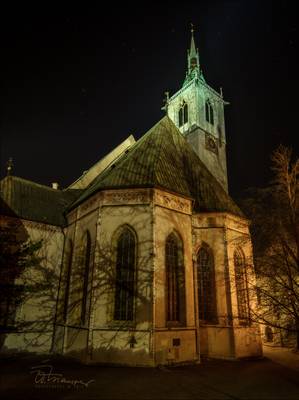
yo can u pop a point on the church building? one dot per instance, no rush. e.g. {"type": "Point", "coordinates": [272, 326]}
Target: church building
{"type": "Point", "coordinates": [149, 258]}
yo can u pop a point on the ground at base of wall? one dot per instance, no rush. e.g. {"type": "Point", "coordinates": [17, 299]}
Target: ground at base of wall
{"type": "Point", "coordinates": [68, 359]}
{"type": "Point", "coordinates": [286, 356]}
{"type": "Point", "coordinates": [233, 359]}
{"type": "Point", "coordinates": [279, 346]}
{"type": "Point", "coordinates": [215, 379]}
{"type": "Point", "coordinates": [119, 365]}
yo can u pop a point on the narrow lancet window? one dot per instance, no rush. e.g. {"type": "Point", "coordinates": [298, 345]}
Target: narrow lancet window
{"type": "Point", "coordinates": [209, 112]}
{"type": "Point", "coordinates": [175, 280]}
{"type": "Point", "coordinates": [207, 309]}
{"type": "Point", "coordinates": [181, 117]}
{"type": "Point", "coordinates": [125, 272]}
{"type": "Point", "coordinates": [241, 287]}
{"type": "Point", "coordinates": [183, 114]}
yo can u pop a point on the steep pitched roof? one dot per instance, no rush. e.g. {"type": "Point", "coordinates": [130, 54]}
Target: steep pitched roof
{"type": "Point", "coordinates": [29, 200]}
{"type": "Point", "coordinates": [163, 158]}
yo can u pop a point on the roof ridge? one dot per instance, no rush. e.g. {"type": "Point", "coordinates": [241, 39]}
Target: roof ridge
{"type": "Point", "coordinates": [170, 131]}
{"type": "Point", "coordinates": [18, 178]}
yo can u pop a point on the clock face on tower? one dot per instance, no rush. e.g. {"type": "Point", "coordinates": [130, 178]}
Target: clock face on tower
{"type": "Point", "coordinates": [211, 144]}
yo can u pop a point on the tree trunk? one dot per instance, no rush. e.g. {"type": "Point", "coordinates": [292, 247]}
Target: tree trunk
{"type": "Point", "coordinates": [297, 335]}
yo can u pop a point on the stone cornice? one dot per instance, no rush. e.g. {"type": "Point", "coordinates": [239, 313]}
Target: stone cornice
{"type": "Point", "coordinates": [32, 224]}
{"type": "Point", "coordinates": [127, 197]}
{"type": "Point", "coordinates": [172, 202]}
{"type": "Point", "coordinates": [131, 197]}
{"type": "Point", "coordinates": [220, 220]}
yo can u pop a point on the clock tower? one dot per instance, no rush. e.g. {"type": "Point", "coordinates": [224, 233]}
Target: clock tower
{"type": "Point", "coordinates": [198, 111]}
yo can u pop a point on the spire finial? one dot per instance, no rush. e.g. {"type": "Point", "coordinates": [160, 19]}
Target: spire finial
{"type": "Point", "coordinates": [166, 102]}
{"type": "Point", "coordinates": [192, 51]}
{"type": "Point", "coordinates": [166, 97]}
{"type": "Point", "coordinates": [194, 70]}
{"type": "Point", "coordinates": [9, 166]}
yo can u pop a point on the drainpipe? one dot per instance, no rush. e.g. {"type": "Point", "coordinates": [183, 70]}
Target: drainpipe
{"type": "Point", "coordinates": [153, 277]}
{"type": "Point", "coordinates": [197, 332]}
{"type": "Point", "coordinates": [91, 300]}
{"type": "Point", "coordinates": [228, 295]}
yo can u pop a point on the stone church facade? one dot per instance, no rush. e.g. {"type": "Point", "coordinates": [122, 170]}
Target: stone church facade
{"type": "Point", "coordinates": [151, 260]}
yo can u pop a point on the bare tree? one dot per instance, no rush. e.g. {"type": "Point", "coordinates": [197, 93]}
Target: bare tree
{"type": "Point", "coordinates": [18, 256]}
{"type": "Point", "coordinates": [274, 212]}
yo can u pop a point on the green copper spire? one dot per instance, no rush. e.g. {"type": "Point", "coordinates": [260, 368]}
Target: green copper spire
{"type": "Point", "coordinates": [194, 70]}
{"type": "Point", "coordinates": [193, 52]}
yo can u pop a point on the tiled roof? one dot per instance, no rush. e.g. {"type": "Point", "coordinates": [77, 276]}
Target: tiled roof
{"type": "Point", "coordinates": [29, 200]}
{"type": "Point", "coordinates": [163, 158]}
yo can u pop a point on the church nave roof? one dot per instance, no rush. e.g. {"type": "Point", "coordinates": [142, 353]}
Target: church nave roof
{"type": "Point", "coordinates": [163, 158]}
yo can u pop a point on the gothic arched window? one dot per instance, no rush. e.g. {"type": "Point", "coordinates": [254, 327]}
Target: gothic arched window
{"type": "Point", "coordinates": [180, 117]}
{"type": "Point", "coordinates": [86, 249]}
{"type": "Point", "coordinates": [125, 276]}
{"type": "Point", "coordinates": [209, 112]}
{"type": "Point", "coordinates": [175, 280]}
{"type": "Point", "coordinates": [67, 277]}
{"type": "Point", "coordinates": [207, 309]}
{"type": "Point", "coordinates": [241, 286]}
{"type": "Point", "coordinates": [183, 114]}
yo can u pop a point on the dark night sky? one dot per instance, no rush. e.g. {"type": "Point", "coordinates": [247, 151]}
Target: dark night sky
{"type": "Point", "coordinates": [75, 84]}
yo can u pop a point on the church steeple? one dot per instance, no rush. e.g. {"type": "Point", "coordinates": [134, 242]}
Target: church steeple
{"type": "Point", "coordinates": [198, 111]}
{"type": "Point", "coordinates": [193, 61]}
{"type": "Point", "coordinates": [192, 52]}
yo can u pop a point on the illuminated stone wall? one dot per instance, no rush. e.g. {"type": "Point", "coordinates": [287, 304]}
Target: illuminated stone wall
{"type": "Point", "coordinates": [224, 233]}
{"type": "Point", "coordinates": [152, 214]}
{"type": "Point", "coordinates": [35, 317]}
{"type": "Point", "coordinates": [173, 343]}
{"type": "Point", "coordinates": [102, 339]}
